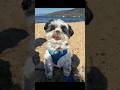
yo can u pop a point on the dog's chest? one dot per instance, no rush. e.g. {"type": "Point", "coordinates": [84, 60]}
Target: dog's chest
{"type": "Point", "coordinates": [57, 54]}
{"type": "Point", "coordinates": [55, 45]}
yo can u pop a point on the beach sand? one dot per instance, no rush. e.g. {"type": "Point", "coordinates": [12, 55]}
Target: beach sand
{"type": "Point", "coordinates": [16, 32]}
{"type": "Point", "coordinates": [77, 42]}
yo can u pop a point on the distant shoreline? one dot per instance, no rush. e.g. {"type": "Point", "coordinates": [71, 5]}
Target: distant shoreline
{"type": "Point", "coordinates": [66, 22]}
{"type": "Point", "coordinates": [44, 19]}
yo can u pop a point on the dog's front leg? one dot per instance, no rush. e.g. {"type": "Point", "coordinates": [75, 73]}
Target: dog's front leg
{"type": "Point", "coordinates": [48, 66]}
{"type": "Point", "coordinates": [67, 68]}
{"type": "Point", "coordinates": [48, 69]}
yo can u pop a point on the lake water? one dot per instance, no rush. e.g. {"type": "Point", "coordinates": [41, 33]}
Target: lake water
{"type": "Point", "coordinates": [44, 19]}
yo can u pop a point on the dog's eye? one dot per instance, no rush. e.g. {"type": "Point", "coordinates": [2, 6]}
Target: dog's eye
{"type": "Point", "coordinates": [64, 28]}
{"type": "Point", "coordinates": [52, 27]}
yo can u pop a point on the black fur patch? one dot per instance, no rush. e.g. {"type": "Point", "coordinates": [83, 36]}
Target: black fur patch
{"type": "Point", "coordinates": [71, 32]}
{"type": "Point", "coordinates": [46, 25]}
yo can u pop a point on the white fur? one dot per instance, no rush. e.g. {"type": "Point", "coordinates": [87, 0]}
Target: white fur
{"type": "Point", "coordinates": [59, 22]}
{"type": "Point", "coordinates": [53, 44]}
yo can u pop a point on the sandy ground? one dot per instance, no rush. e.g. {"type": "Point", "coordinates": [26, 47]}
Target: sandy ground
{"type": "Point", "coordinates": [103, 45]}
{"type": "Point", "coordinates": [77, 41]}
{"type": "Point", "coordinates": [16, 33]}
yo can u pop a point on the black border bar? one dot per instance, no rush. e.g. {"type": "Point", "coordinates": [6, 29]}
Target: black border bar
{"type": "Point", "coordinates": [60, 3]}
{"type": "Point", "coordinates": [60, 85]}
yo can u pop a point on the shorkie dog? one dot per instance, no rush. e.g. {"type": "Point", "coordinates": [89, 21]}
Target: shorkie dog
{"type": "Point", "coordinates": [57, 54]}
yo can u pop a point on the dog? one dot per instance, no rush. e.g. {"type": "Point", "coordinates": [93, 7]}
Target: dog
{"type": "Point", "coordinates": [57, 33]}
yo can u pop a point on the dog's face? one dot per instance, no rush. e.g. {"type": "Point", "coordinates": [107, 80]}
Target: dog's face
{"type": "Point", "coordinates": [58, 30]}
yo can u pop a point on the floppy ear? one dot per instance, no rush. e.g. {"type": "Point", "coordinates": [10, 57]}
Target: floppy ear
{"type": "Point", "coordinates": [46, 25]}
{"type": "Point", "coordinates": [71, 32]}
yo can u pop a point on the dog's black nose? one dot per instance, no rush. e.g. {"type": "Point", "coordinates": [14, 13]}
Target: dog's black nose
{"type": "Point", "coordinates": [57, 31]}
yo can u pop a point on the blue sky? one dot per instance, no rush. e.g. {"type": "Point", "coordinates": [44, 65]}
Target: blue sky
{"type": "Point", "coordinates": [49, 10]}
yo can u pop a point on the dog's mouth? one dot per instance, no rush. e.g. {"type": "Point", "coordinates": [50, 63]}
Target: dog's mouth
{"type": "Point", "coordinates": [56, 36]}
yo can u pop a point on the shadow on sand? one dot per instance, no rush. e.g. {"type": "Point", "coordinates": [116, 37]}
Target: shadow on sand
{"type": "Point", "coordinates": [11, 37]}
{"type": "Point", "coordinates": [6, 82]}
{"type": "Point", "coordinates": [96, 80]}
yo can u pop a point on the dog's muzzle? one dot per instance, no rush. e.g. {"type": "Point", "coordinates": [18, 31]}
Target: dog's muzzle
{"type": "Point", "coordinates": [56, 35]}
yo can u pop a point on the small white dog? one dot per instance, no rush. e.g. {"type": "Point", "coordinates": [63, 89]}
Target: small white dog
{"type": "Point", "coordinates": [57, 54]}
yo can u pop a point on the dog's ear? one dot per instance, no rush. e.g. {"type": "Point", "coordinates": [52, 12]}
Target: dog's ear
{"type": "Point", "coordinates": [71, 32]}
{"type": "Point", "coordinates": [46, 25]}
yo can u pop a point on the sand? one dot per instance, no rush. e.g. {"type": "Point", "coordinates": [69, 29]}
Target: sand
{"type": "Point", "coordinates": [77, 41]}
{"type": "Point", "coordinates": [14, 45]}
{"type": "Point", "coordinates": [102, 45]}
